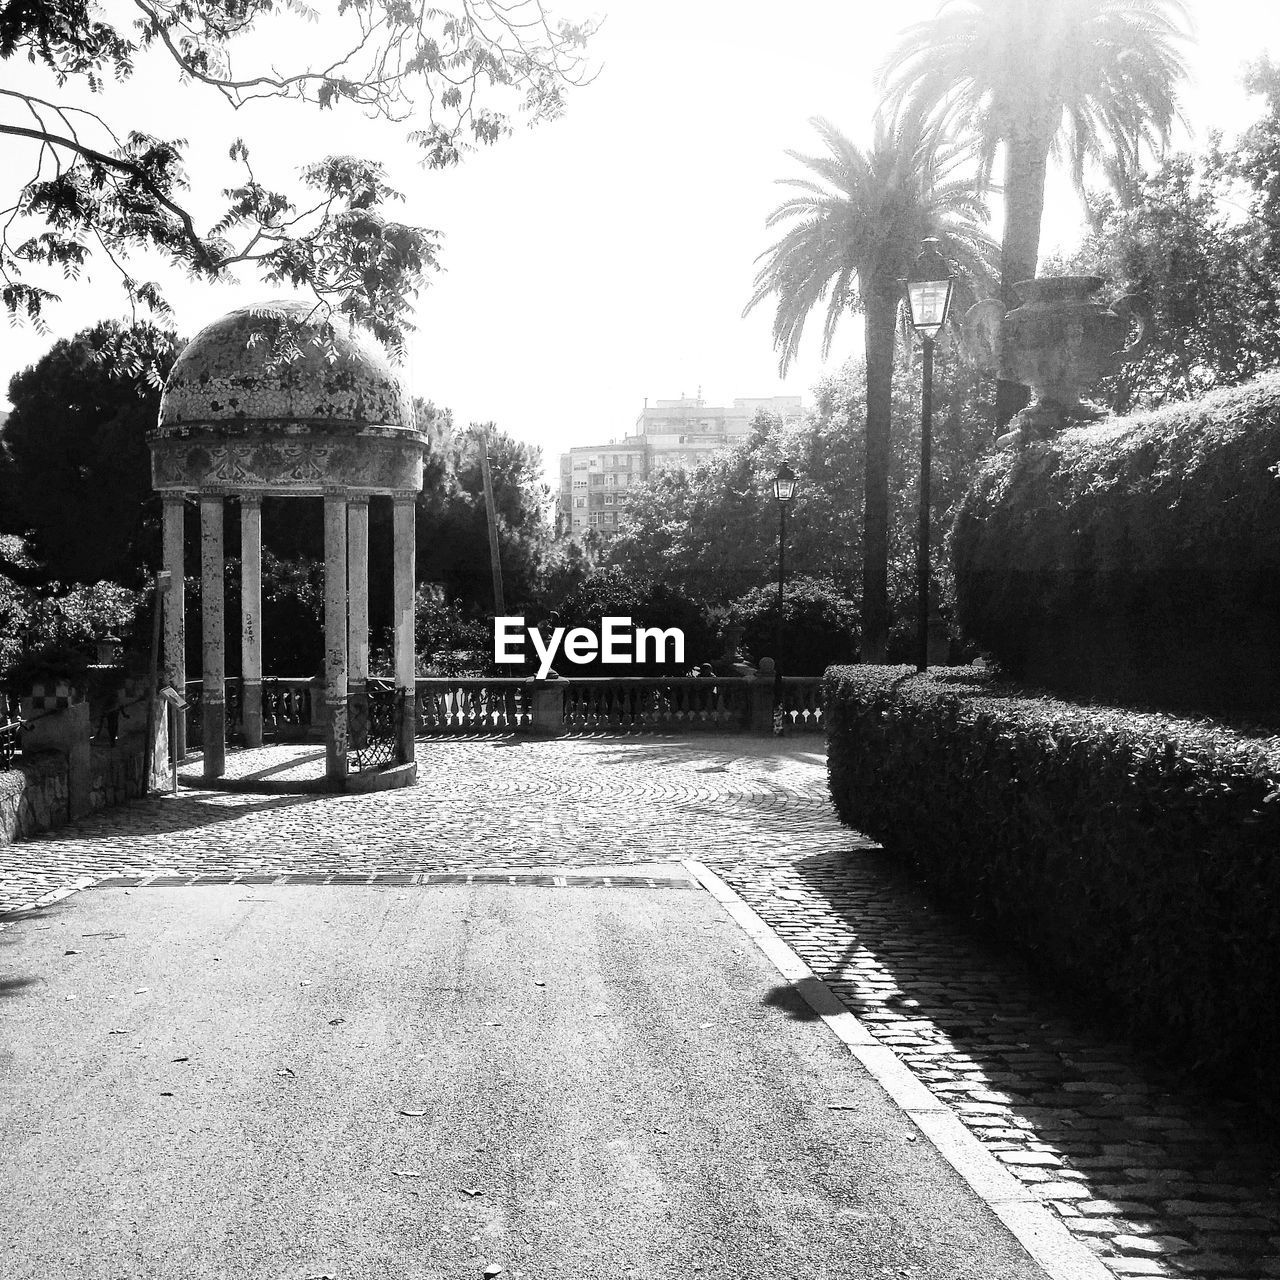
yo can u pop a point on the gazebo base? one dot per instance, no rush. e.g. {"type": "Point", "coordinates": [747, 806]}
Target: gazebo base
{"type": "Point", "coordinates": [293, 769]}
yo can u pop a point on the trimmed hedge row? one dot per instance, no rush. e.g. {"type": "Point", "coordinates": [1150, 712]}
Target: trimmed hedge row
{"type": "Point", "coordinates": [1137, 560]}
{"type": "Point", "coordinates": [1136, 858]}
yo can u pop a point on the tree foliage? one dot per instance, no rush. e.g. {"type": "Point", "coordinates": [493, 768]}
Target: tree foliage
{"type": "Point", "coordinates": [1212, 277]}
{"type": "Point", "coordinates": [75, 471]}
{"type": "Point", "coordinates": [453, 534]}
{"type": "Point", "coordinates": [458, 75]}
{"type": "Point", "coordinates": [618, 592]}
{"type": "Point", "coordinates": [712, 532]}
{"type": "Point", "coordinates": [819, 626]}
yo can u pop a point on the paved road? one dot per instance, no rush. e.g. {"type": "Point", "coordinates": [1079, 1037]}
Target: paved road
{"type": "Point", "coordinates": [283, 1082]}
{"type": "Point", "coordinates": [1156, 1179]}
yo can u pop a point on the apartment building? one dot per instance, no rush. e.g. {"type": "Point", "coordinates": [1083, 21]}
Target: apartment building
{"type": "Point", "coordinates": [595, 479]}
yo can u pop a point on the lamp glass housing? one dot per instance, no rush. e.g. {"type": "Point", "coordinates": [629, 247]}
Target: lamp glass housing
{"type": "Point", "coordinates": [930, 301]}
{"type": "Point", "coordinates": [784, 486]}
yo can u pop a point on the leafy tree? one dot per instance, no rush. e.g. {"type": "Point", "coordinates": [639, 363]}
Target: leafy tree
{"type": "Point", "coordinates": [853, 232]}
{"type": "Point", "coordinates": [1092, 78]}
{"type": "Point", "coordinates": [456, 74]}
{"type": "Point", "coordinates": [1212, 278]}
{"type": "Point", "coordinates": [613, 591]}
{"type": "Point", "coordinates": [453, 534]}
{"type": "Point", "coordinates": [75, 471]}
{"type": "Point", "coordinates": [712, 532]}
{"type": "Point", "coordinates": [819, 626]}
{"type": "Point", "coordinates": [57, 628]}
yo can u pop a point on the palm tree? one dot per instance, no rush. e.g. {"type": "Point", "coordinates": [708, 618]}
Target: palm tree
{"type": "Point", "coordinates": [853, 232]}
{"type": "Point", "coordinates": [1093, 78]}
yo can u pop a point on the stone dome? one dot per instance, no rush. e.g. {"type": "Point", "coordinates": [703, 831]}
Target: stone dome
{"type": "Point", "coordinates": [236, 417]}
{"type": "Point", "coordinates": [227, 374]}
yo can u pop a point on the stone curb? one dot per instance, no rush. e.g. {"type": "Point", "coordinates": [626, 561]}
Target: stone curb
{"type": "Point", "coordinates": [1033, 1225]}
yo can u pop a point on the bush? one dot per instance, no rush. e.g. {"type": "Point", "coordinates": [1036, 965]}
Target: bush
{"type": "Point", "coordinates": [820, 626]}
{"type": "Point", "coordinates": [1136, 560]}
{"type": "Point", "coordinates": [620, 593]}
{"type": "Point", "coordinates": [1132, 856]}
{"type": "Point", "coordinates": [450, 640]}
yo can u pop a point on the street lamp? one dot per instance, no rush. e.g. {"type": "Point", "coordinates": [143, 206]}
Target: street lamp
{"type": "Point", "coordinates": [784, 489]}
{"type": "Point", "coordinates": [929, 290]}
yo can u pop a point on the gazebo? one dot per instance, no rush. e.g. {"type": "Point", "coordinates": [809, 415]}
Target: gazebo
{"type": "Point", "coordinates": [237, 419]}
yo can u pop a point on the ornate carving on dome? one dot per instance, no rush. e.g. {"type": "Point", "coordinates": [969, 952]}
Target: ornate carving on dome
{"type": "Point", "coordinates": [374, 464]}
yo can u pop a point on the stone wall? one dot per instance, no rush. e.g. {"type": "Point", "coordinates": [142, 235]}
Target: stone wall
{"type": "Point", "coordinates": [34, 796]}
{"type": "Point", "coordinates": [78, 754]}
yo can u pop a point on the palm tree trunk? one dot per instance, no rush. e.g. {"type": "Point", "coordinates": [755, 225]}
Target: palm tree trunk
{"type": "Point", "coordinates": [1026, 162]}
{"type": "Point", "coordinates": [880, 329]}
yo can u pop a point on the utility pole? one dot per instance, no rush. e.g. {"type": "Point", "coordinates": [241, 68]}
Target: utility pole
{"type": "Point", "coordinates": [495, 559]}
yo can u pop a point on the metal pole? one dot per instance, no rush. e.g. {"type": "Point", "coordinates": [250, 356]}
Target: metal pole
{"type": "Point", "coordinates": [777, 635]}
{"type": "Point", "coordinates": [495, 559]}
{"type": "Point", "coordinates": [922, 551]}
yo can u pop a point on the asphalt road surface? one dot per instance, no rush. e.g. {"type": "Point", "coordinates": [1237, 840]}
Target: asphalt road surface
{"type": "Point", "coordinates": [422, 1083]}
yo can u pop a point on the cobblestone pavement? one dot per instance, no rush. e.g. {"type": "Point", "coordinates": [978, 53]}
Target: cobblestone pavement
{"type": "Point", "coordinates": [1156, 1180]}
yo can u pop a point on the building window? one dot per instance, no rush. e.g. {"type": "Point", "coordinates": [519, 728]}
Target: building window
{"type": "Point", "coordinates": [608, 499]}
{"type": "Point", "coordinates": [579, 502]}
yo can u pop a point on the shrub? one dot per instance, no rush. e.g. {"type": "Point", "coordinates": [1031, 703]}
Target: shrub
{"type": "Point", "coordinates": [820, 625]}
{"type": "Point", "coordinates": [620, 593]}
{"type": "Point", "coordinates": [1136, 560]}
{"type": "Point", "coordinates": [451, 640]}
{"type": "Point", "coordinates": [1133, 856]}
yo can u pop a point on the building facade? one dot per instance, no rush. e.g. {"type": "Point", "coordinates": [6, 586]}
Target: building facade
{"type": "Point", "coordinates": [595, 479]}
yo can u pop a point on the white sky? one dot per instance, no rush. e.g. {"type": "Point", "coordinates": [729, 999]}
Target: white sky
{"type": "Point", "coordinates": [606, 257]}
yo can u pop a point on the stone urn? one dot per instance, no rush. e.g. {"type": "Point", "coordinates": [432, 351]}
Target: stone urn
{"type": "Point", "coordinates": [1059, 341]}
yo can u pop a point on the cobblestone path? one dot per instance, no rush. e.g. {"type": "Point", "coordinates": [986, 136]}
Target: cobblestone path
{"type": "Point", "coordinates": [1156, 1180]}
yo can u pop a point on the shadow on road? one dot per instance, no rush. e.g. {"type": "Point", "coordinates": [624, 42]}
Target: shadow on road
{"type": "Point", "coordinates": [787, 998]}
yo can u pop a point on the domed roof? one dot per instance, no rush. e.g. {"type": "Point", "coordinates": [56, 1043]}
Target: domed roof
{"type": "Point", "coordinates": [230, 374]}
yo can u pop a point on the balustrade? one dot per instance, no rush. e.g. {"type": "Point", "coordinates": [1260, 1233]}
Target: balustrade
{"type": "Point", "coordinates": [691, 703]}
{"type": "Point", "coordinates": [802, 704]}
{"type": "Point", "coordinates": [473, 706]}
{"type": "Point", "coordinates": [625, 704]}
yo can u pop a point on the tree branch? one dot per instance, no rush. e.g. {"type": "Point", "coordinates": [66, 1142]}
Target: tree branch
{"type": "Point", "coordinates": [200, 249]}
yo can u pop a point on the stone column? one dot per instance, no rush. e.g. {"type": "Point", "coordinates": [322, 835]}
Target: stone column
{"type": "Point", "coordinates": [175, 629]}
{"type": "Point", "coordinates": [358, 591]}
{"type": "Point", "coordinates": [212, 628]}
{"type": "Point", "coordinates": [251, 617]}
{"type": "Point", "coordinates": [404, 552]}
{"type": "Point", "coordinates": [335, 633]}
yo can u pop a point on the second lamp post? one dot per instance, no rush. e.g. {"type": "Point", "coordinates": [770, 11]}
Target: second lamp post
{"type": "Point", "coordinates": [929, 295]}
{"type": "Point", "coordinates": [784, 489]}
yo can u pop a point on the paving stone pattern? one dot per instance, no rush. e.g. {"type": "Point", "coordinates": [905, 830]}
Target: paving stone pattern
{"type": "Point", "coordinates": [1157, 1180]}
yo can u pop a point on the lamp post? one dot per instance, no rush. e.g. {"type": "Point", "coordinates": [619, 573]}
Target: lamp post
{"type": "Point", "coordinates": [929, 290]}
{"type": "Point", "coordinates": [784, 489]}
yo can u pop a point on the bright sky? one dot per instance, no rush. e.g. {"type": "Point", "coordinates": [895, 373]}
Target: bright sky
{"type": "Point", "coordinates": [607, 257]}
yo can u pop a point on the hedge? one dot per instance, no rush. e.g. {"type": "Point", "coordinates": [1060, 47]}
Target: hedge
{"type": "Point", "coordinates": [1134, 857]}
{"type": "Point", "coordinates": [1135, 560]}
